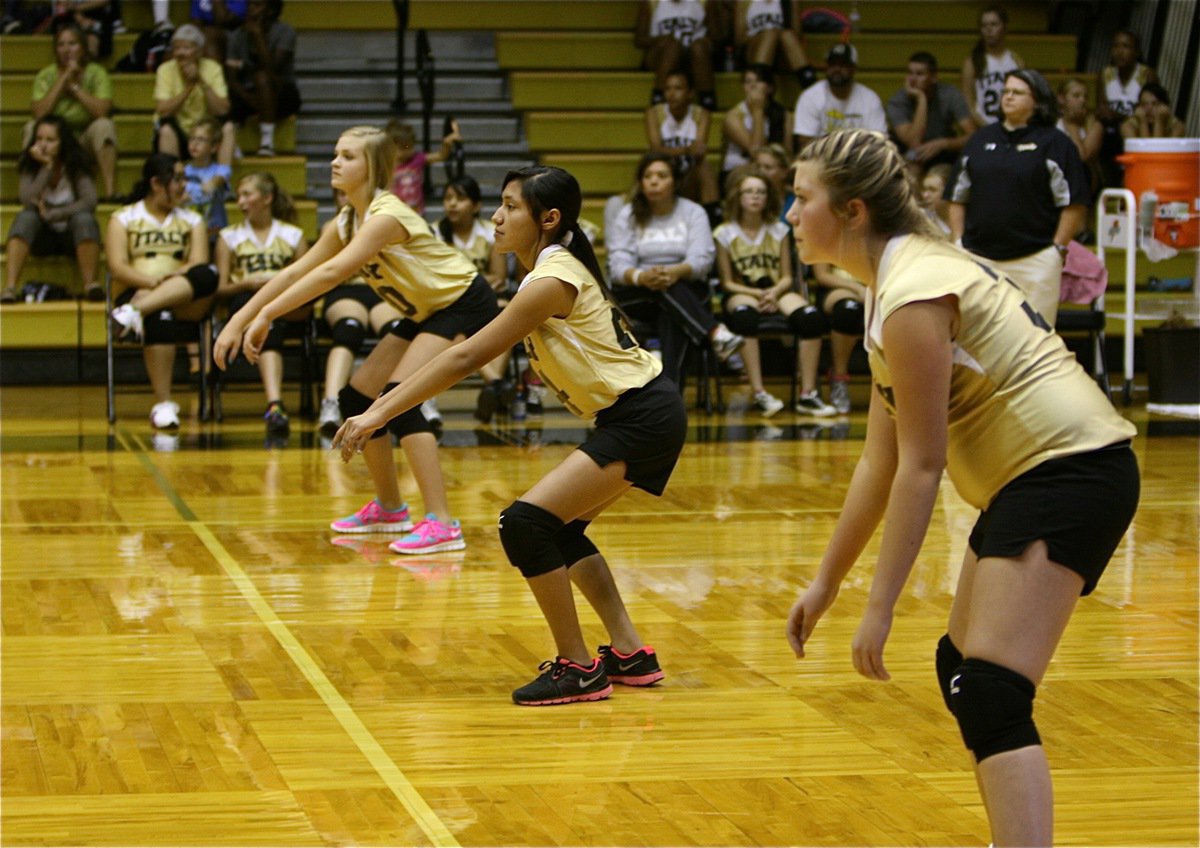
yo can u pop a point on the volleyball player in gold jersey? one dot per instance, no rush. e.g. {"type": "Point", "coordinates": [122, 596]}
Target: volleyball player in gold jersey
{"type": "Point", "coordinates": [433, 285]}
{"type": "Point", "coordinates": [580, 346]}
{"type": "Point", "coordinates": [969, 378]}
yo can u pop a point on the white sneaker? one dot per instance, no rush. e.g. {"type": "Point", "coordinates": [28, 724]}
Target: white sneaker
{"type": "Point", "coordinates": [811, 404]}
{"type": "Point", "coordinates": [165, 415]}
{"type": "Point", "coordinates": [767, 403]}
{"type": "Point", "coordinates": [430, 411]}
{"type": "Point", "coordinates": [128, 322]}
{"type": "Point", "coordinates": [839, 396]}
{"type": "Point", "coordinates": [725, 342]}
{"type": "Point", "coordinates": [330, 417]}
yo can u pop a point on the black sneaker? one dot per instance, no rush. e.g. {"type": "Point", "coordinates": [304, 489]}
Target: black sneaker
{"type": "Point", "coordinates": [563, 682]}
{"type": "Point", "coordinates": [486, 403]}
{"type": "Point", "coordinates": [640, 668]}
{"type": "Point", "coordinates": [276, 418]}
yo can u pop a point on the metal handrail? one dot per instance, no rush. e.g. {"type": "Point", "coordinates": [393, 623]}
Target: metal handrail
{"type": "Point", "coordinates": [399, 104]}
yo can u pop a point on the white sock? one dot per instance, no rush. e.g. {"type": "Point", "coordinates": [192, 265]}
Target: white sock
{"type": "Point", "coordinates": [268, 135]}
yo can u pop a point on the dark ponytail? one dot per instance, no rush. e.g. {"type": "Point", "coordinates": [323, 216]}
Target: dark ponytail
{"type": "Point", "coordinates": [160, 166]}
{"type": "Point", "coordinates": [468, 188]}
{"type": "Point", "coordinates": [545, 187]}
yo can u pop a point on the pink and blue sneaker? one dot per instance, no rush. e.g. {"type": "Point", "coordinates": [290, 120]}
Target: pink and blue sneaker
{"type": "Point", "coordinates": [373, 518]}
{"type": "Point", "coordinates": [430, 536]}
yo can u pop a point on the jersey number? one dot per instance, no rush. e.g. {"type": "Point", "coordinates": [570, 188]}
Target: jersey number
{"type": "Point", "coordinates": [991, 102]}
{"type": "Point", "coordinates": [396, 299]}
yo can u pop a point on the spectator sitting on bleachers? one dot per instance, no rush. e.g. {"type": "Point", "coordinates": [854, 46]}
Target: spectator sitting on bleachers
{"type": "Point", "coordinates": [837, 102]}
{"type": "Point", "coordinates": [772, 160]}
{"type": "Point", "coordinates": [841, 298]}
{"type": "Point", "coordinates": [931, 119]}
{"type": "Point", "coordinates": [984, 68]}
{"type": "Point", "coordinates": [680, 129]}
{"type": "Point", "coordinates": [187, 88]}
{"type": "Point", "coordinates": [408, 178]}
{"type": "Point", "coordinates": [1152, 117]}
{"type": "Point", "coordinates": [58, 205]}
{"type": "Point", "coordinates": [248, 255]}
{"type": "Point", "coordinates": [932, 196]}
{"type": "Point", "coordinates": [157, 254]}
{"type": "Point", "coordinates": [675, 34]}
{"type": "Point", "coordinates": [208, 181]}
{"type": "Point", "coordinates": [93, 17]}
{"type": "Point", "coordinates": [1081, 126]}
{"type": "Point", "coordinates": [216, 18]}
{"type": "Point", "coordinates": [1118, 87]}
{"type": "Point", "coordinates": [759, 119]}
{"type": "Point", "coordinates": [80, 91]}
{"type": "Point", "coordinates": [754, 262]}
{"type": "Point", "coordinates": [260, 70]}
{"type": "Point", "coordinates": [662, 243]}
{"type": "Point", "coordinates": [760, 25]}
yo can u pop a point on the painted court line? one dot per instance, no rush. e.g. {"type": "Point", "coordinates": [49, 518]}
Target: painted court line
{"type": "Point", "coordinates": [391, 774]}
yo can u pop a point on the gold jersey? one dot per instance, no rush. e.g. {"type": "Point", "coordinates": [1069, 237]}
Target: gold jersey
{"type": "Point", "coordinates": [758, 261]}
{"type": "Point", "coordinates": [420, 275]}
{"type": "Point", "coordinates": [1017, 395]}
{"type": "Point", "coordinates": [477, 246]}
{"type": "Point", "coordinates": [590, 357]}
{"type": "Point", "coordinates": [251, 257]}
{"type": "Point", "coordinates": [157, 247]}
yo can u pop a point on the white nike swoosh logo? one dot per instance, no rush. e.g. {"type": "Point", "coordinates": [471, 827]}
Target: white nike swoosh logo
{"type": "Point", "coordinates": [583, 684]}
{"type": "Point", "coordinates": [626, 666]}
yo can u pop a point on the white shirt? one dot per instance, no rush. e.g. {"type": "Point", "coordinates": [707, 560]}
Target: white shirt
{"type": "Point", "coordinates": [819, 111]}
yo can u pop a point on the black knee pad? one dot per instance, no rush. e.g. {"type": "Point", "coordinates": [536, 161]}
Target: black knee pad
{"type": "Point", "coordinates": [162, 328]}
{"type": "Point", "coordinates": [203, 280]}
{"type": "Point", "coordinates": [352, 402]}
{"type": "Point", "coordinates": [994, 708]}
{"type": "Point", "coordinates": [275, 336]}
{"type": "Point", "coordinates": [847, 317]}
{"type": "Point", "coordinates": [391, 327]}
{"type": "Point", "coordinates": [407, 423]}
{"type": "Point", "coordinates": [947, 660]}
{"type": "Point", "coordinates": [573, 544]}
{"type": "Point", "coordinates": [527, 533]}
{"type": "Point", "coordinates": [744, 320]}
{"type": "Point", "coordinates": [349, 333]}
{"type": "Point", "coordinates": [808, 322]}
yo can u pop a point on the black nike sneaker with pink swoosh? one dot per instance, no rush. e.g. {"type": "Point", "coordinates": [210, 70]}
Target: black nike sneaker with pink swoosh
{"type": "Point", "coordinates": [563, 682]}
{"type": "Point", "coordinates": [640, 668]}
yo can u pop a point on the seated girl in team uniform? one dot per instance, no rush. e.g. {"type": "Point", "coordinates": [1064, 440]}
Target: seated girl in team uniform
{"type": "Point", "coordinates": [157, 254]}
{"type": "Point", "coordinates": [434, 286]}
{"type": "Point", "coordinates": [580, 345]}
{"type": "Point", "coordinates": [754, 260]}
{"type": "Point", "coordinates": [249, 254]}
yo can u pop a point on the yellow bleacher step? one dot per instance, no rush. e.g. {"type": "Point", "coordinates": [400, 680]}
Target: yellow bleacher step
{"type": "Point", "coordinates": [289, 171]}
{"type": "Point", "coordinates": [597, 131]}
{"type": "Point", "coordinates": [31, 53]}
{"type": "Point", "coordinates": [605, 173]}
{"type": "Point", "coordinates": [131, 92]}
{"type": "Point", "coordinates": [135, 133]}
{"type": "Point", "coordinates": [876, 51]}
{"type": "Point", "coordinates": [40, 325]}
{"type": "Point", "coordinates": [591, 90]}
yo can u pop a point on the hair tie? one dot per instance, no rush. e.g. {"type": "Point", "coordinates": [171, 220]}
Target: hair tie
{"type": "Point", "coordinates": [566, 242]}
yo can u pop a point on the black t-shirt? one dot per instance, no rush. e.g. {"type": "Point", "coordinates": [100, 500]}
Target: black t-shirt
{"type": "Point", "coordinates": [1014, 184]}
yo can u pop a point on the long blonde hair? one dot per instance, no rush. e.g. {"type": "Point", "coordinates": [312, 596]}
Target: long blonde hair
{"type": "Point", "coordinates": [380, 152]}
{"type": "Point", "coordinates": [863, 164]}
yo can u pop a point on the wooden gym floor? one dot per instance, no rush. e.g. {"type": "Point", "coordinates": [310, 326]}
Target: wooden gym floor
{"type": "Point", "coordinates": [189, 658]}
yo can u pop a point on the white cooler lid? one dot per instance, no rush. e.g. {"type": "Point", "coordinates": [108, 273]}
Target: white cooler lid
{"type": "Point", "coordinates": [1162, 145]}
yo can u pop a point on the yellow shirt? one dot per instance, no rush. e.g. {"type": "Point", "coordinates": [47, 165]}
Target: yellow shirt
{"type": "Point", "coordinates": [418, 276]}
{"type": "Point", "coordinates": [758, 261]}
{"type": "Point", "coordinates": [168, 83]}
{"type": "Point", "coordinates": [1017, 395]}
{"type": "Point", "coordinates": [590, 357]}
{"type": "Point", "coordinates": [157, 247]}
{"type": "Point", "coordinates": [478, 245]}
{"type": "Point", "coordinates": [252, 257]}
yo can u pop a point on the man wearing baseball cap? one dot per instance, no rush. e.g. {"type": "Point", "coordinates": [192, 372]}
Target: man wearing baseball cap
{"type": "Point", "coordinates": [187, 89]}
{"type": "Point", "coordinates": [837, 102]}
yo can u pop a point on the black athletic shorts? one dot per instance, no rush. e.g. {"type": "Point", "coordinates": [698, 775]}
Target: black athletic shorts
{"type": "Point", "coordinates": [465, 317]}
{"type": "Point", "coordinates": [1079, 505]}
{"type": "Point", "coordinates": [360, 292]}
{"type": "Point", "coordinates": [645, 429]}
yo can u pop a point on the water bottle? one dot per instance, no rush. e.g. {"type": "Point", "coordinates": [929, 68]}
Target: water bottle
{"type": "Point", "coordinates": [1146, 213]}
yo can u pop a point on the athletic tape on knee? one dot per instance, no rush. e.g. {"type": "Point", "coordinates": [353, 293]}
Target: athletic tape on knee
{"type": "Point", "coordinates": [947, 660]}
{"type": "Point", "coordinates": [527, 533]}
{"type": "Point", "coordinates": [808, 322]}
{"type": "Point", "coordinates": [352, 402]}
{"type": "Point", "coordinates": [994, 708]}
{"type": "Point", "coordinates": [744, 320]}
{"type": "Point", "coordinates": [573, 544]}
{"type": "Point", "coordinates": [407, 423]}
{"type": "Point", "coordinates": [847, 317]}
{"type": "Point", "coordinates": [349, 333]}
